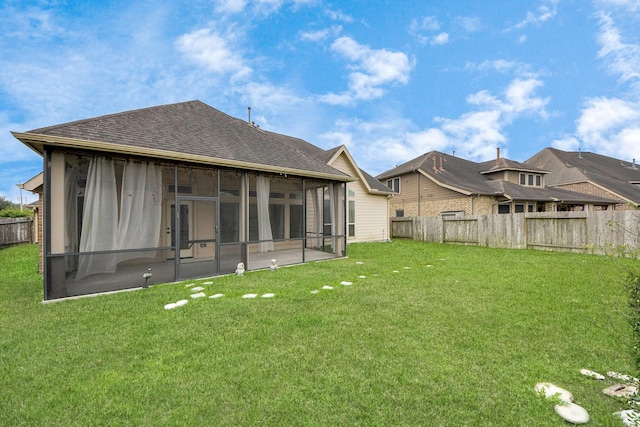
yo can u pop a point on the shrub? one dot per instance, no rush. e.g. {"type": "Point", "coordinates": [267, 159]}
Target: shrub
{"type": "Point", "coordinates": [15, 213]}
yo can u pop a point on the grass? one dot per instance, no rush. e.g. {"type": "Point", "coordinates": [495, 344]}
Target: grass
{"type": "Point", "coordinates": [459, 337]}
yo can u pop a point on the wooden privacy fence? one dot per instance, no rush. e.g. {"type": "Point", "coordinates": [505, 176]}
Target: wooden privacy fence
{"type": "Point", "coordinates": [598, 232]}
{"type": "Point", "coordinates": [15, 230]}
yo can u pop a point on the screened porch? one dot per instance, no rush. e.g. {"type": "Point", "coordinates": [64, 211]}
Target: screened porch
{"type": "Point", "coordinates": [110, 219]}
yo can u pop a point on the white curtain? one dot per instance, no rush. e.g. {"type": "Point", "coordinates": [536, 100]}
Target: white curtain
{"type": "Point", "coordinates": [316, 217]}
{"type": "Point", "coordinates": [140, 210]}
{"type": "Point", "coordinates": [99, 219]}
{"type": "Point", "coordinates": [263, 187]}
{"type": "Point", "coordinates": [71, 214]}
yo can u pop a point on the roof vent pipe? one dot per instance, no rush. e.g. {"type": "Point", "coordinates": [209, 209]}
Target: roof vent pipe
{"type": "Point", "coordinates": [634, 167]}
{"type": "Point", "coordinates": [249, 113]}
{"type": "Point", "coordinates": [579, 152]}
{"type": "Point", "coordinates": [497, 155]}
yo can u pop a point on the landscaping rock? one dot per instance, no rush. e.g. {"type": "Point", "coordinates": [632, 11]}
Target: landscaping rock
{"type": "Point", "coordinates": [572, 413]}
{"type": "Point", "coordinates": [170, 306]}
{"type": "Point", "coordinates": [629, 417]}
{"type": "Point", "coordinates": [623, 377]}
{"type": "Point", "coordinates": [592, 374]}
{"type": "Point", "coordinates": [216, 296]}
{"type": "Point", "coordinates": [551, 390]}
{"type": "Point", "coordinates": [621, 390]}
{"type": "Point", "coordinates": [345, 283]}
{"type": "Point", "coordinates": [181, 302]}
{"type": "Point", "coordinates": [269, 295]}
{"type": "Point", "coordinates": [249, 295]}
{"type": "Point", "coordinates": [198, 295]}
{"type": "Point", "coordinates": [197, 289]}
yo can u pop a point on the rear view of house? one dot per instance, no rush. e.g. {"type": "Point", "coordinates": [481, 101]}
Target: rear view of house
{"type": "Point", "coordinates": [184, 190]}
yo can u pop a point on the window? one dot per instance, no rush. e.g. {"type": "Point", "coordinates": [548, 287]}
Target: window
{"type": "Point", "coordinates": [504, 209]}
{"type": "Point", "coordinates": [519, 209]}
{"type": "Point", "coordinates": [352, 214]}
{"type": "Point", "coordinates": [530, 179]}
{"type": "Point", "coordinates": [538, 180]}
{"type": "Point", "coordinates": [394, 184]}
{"type": "Point", "coordinates": [523, 179]}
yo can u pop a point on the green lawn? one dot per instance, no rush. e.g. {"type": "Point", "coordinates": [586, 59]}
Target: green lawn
{"type": "Point", "coordinates": [455, 336]}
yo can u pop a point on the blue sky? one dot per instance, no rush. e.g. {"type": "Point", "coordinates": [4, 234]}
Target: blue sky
{"type": "Point", "coordinates": [389, 79]}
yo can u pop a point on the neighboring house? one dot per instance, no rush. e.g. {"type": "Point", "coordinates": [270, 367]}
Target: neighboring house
{"type": "Point", "coordinates": [188, 192]}
{"type": "Point", "coordinates": [440, 184]}
{"type": "Point", "coordinates": [592, 174]}
{"type": "Point", "coordinates": [34, 185]}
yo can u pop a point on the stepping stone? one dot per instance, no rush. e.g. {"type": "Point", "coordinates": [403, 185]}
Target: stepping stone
{"type": "Point", "coordinates": [429, 265]}
{"type": "Point", "coordinates": [268, 295]}
{"type": "Point", "coordinates": [346, 283]}
{"type": "Point", "coordinates": [621, 390]}
{"type": "Point", "coordinates": [170, 306]}
{"type": "Point", "coordinates": [396, 271]}
{"type": "Point", "coordinates": [407, 268]}
{"type": "Point", "coordinates": [629, 417]}
{"type": "Point", "coordinates": [181, 302]}
{"type": "Point", "coordinates": [249, 295]}
{"type": "Point", "coordinates": [315, 291]}
{"type": "Point", "coordinates": [551, 390]}
{"type": "Point", "coordinates": [197, 289]}
{"type": "Point", "coordinates": [189, 285]}
{"type": "Point", "coordinates": [217, 296]}
{"type": "Point", "coordinates": [591, 374]}
{"type": "Point", "coordinates": [623, 377]}
{"type": "Point", "coordinates": [572, 413]}
{"type": "Point", "coordinates": [362, 277]}
{"type": "Point", "coordinates": [359, 262]}
{"type": "Point", "coordinates": [327, 287]}
{"type": "Point", "coordinates": [198, 295]}
{"type": "Point", "coordinates": [207, 283]}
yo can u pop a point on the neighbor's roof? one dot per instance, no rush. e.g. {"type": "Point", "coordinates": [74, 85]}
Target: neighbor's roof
{"type": "Point", "coordinates": [470, 178]}
{"type": "Point", "coordinates": [188, 131]}
{"type": "Point", "coordinates": [571, 167]}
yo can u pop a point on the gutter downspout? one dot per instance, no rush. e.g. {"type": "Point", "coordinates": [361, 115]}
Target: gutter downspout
{"type": "Point", "coordinates": [419, 191]}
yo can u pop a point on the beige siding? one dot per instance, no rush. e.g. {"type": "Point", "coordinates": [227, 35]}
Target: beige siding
{"type": "Point", "coordinates": [372, 221]}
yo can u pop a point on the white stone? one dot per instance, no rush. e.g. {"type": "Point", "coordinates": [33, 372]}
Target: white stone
{"type": "Point", "coordinates": [396, 271]}
{"type": "Point", "coordinates": [623, 377]}
{"type": "Point", "coordinates": [345, 283]}
{"type": "Point", "coordinates": [359, 262]}
{"type": "Point", "coordinates": [406, 268]}
{"type": "Point", "coordinates": [207, 283]}
{"type": "Point", "coordinates": [429, 265]}
{"type": "Point", "coordinates": [621, 390]}
{"type": "Point", "coordinates": [170, 306]}
{"type": "Point", "coordinates": [197, 289]}
{"type": "Point", "coordinates": [327, 287]}
{"type": "Point", "coordinates": [629, 417]}
{"type": "Point", "coordinates": [572, 413]}
{"type": "Point", "coordinates": [249, 295]}
{"type": "Point", "coordinates": [181, 302]}
{"type": "Point", "coordinates": [198, 295]}
{"type": "Point", "coordinates": [315, 291]}
{"type": "Point", "coordinates": [591, 374]}
{"type": "Point", "coordinates": [551, 390]}
{"type": "Point", "coordinates": [362, 277]}
{"type": "Point", "coordinates": [269, 295]}
{"type": "Point", "coordinates": [217, 296]}
{"type": "Point", "coordinates": [189, 285]}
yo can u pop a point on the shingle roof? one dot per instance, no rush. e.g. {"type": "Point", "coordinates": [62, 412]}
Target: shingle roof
{"type": "Point", "coordinates": [470, 177]}
{"type": "Point", "coordinates": [194, 128]}
{"type": "Point", "coordinates": [569, 167]}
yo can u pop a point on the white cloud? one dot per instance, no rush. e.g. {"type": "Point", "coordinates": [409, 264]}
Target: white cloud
{"type": "Point", "coordinates": [337, 15]}
{"type": "Point", "coordinates": [428, 24]}
{"type": "Point", "coordinates": [320, 35]}
{"type": "Point", "coordinates": [467, 23]}
{"type": "Point", "coordinates": [371, 69]}
{"type": "Point", "coordinates": [622, 58]}
{"type": "Point", "coordinates": [230, 6]}
{"type": "Point", "coordinates": [212, 51]}
{"type": "Point", "coordinates": [541, 15]}
{"type": "Point", "coordinates": [631, 5]}
{"type": "Point", "coordinates": [440, 39]}
{"type": "Point", "coordinates": [567, 143]}
{"type": "Point", "coordinates": [504, 66]}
